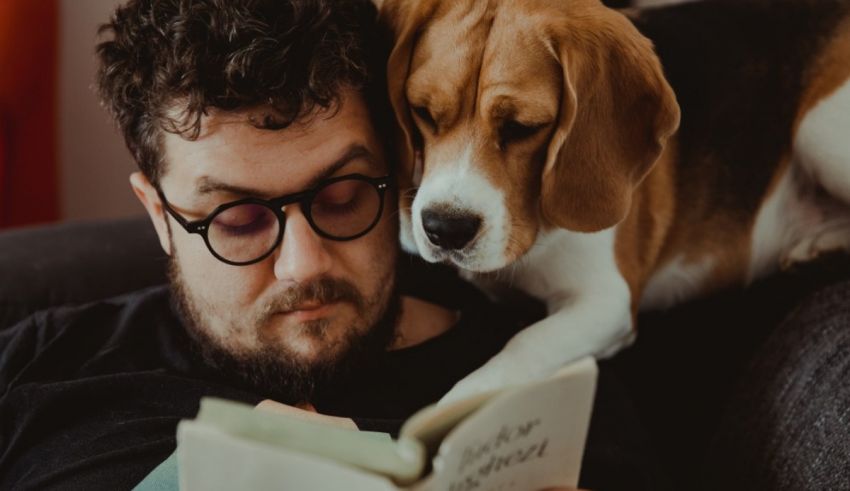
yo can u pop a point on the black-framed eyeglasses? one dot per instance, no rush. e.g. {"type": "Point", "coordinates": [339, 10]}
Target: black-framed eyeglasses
{"type": "Point", "coordinates": [246, 231]}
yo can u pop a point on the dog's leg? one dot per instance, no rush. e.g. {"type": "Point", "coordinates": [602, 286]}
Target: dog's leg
{"type": "Point", "coordinates": [594, 324]}
{"type": "Point", "coordinates": [822, 150]}
{"type": "Point", "coordinates": [589, 311]}
{"type": "Point", "coordinates": [822, 144]}
{"type": "Point", "coordinates": [832, 235]}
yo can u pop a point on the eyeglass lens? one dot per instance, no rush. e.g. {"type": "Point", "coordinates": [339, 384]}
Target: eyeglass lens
{"type": "Point", "coordinates": [341, 210]}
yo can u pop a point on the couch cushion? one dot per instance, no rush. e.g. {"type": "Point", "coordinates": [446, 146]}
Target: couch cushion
{"type": "Point", "coordinates": [70, 263]}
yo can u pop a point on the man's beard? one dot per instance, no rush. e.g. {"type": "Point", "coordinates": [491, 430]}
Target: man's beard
{"type": "Point", "coordinates": [273, 370]}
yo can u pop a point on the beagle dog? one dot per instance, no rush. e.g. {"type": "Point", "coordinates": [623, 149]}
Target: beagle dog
{"type": "Point", "coordinates": [543, 149]}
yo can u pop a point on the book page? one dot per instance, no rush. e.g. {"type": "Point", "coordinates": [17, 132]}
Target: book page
{"type": "Point", "coordinates": [431, 424]}
{"type": "Point", "coordinates": [212, 460]}
{"type": "Point", "coordinates": [403, 460]}
{"type": "Point", "coordinates": [527, 437]}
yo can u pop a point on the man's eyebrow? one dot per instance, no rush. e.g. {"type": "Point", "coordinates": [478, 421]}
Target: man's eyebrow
{"type": "Point", "coordinates": [208, 185]}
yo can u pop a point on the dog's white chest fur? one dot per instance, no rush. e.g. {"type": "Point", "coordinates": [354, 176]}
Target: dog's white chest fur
{"type": "Point", "coordinates": [563, 266]}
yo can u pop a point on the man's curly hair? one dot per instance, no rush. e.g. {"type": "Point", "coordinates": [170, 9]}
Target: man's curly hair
{"type": "Point", "coordinates": [169, 61]}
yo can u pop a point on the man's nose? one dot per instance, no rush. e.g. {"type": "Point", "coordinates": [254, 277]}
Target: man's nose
{"type": "Point", "coordinates": [450, 229]}
{"type": "Point", "coordinates": [302, 255]}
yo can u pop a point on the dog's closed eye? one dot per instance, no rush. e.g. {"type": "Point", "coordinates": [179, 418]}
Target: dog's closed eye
{"type": "Point", "coordinates": [513, 131]}
{"type": "Point", "coordinates": [424, 116]}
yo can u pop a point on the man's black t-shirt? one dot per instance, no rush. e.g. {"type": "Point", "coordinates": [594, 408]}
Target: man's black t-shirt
{"type": "Point", "coordinates": [91, 395]}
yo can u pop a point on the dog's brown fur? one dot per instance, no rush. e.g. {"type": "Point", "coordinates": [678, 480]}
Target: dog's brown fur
{"type": "Point", "coordinates": [603, 150]}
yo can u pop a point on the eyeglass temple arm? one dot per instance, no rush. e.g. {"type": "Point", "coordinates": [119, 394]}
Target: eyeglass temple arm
{"type": "Point", "coordinates": [189, 227]}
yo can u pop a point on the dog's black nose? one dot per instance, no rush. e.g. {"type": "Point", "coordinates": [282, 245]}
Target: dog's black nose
{"type": "Point", "coordinates": [448, 230]}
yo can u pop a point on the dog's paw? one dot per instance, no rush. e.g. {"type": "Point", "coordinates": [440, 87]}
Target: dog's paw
{"type": "Point", "coordinates": [618, 344]}
{"type": "Point", "coordinates": [465, 389]}
{"type": "Point", "coordinates": [830, 240]}
{"type": "Point", "coordinates": [490, 377]}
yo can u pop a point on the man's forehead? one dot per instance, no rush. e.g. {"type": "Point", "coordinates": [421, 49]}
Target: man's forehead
{"type": "Point", "coordinates": [207, 184]}
{"type": "Point", "coordinates": [232, 155]}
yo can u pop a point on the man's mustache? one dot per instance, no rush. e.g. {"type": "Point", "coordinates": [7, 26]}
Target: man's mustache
{"type": "Point", "coordinates": [322, 291]}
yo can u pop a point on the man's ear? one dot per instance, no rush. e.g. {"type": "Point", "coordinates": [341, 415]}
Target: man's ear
{"type": "Point", "coordinates": [617, 112]}
{"type": "Point", "coordinates": [147, 194]}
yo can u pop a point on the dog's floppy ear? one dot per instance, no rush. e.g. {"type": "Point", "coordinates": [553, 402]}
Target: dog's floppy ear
{"type": "Point", "coordinates": [401, 21]}
{"type": "Point", "coordinates": [617, 111]}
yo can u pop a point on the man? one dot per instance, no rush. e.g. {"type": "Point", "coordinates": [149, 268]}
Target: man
{"type": "Point", "coordinates": [256, 126]}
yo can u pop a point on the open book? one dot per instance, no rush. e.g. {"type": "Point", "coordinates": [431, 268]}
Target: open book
{"type": "Point", "coordinates": [524, 437]}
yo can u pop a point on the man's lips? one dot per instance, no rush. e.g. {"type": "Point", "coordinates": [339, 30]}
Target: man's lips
{"type": "Point", "coordinates": [309, 311]}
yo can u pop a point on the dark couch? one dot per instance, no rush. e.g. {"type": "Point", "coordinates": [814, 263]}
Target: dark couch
{"type": "Point", "coordinates": [691, 375]}
{"type": "Point", "coordinates": [75, 263]}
